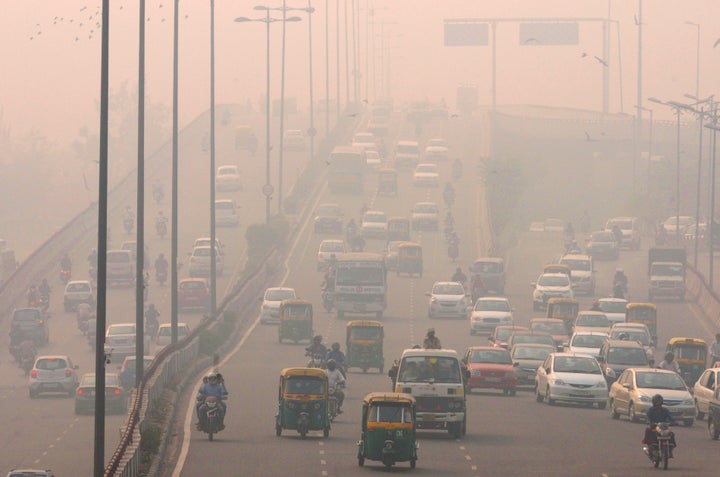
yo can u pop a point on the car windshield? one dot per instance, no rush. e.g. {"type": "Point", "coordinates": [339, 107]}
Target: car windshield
{"type": "Point", "coordinates": [375, 217]}
{"type": "Point", "coordinates": [588, 341]}
{"type": "Point", "coordinates": [420, 369]}
{"type": "Point", "coordinates": [603, 237]}
{"type": "Point", "coordinates": [115, 257]}
{"type": "Point", "coordinates": [632, 335]}
{"type": "Point", "coordinates": [492, 305]}
{"type": "Point", "coordinates": [78, 287]}
{"type": "Point", "coordinates": [227, 171]}
{"type": "Point", "coordinates": [554, 281]}
{"type": "Point", "coordinates": [304, 385]}
{"type": "Point", "coordinates": [531, 352]}
{"type": "Point", "coordinates": [121, 330]}
{"type": "Point", "coordinates": [425, 209]}
{"type": "Point", "coordinates": [576, 364]}
{"type": "Point", "coordinates": [224, 204]}
{"type": "Point", "coordinates": [552, 327]}
{"type": "Point", "coordinates": [437, 143]}
{"type": "Point", "coordinates": [334, 246]}
{"type": "Point", "coordinates": [599, 321]}
{"type": "Point", "coordinates": [497, 356]}
{"type": "Point", "coordinates": [485, 267]}
{"type": "Point", "coordinates": [577, 264]}
{"type": "Point", "coordinates": [192, 285]}
{"type": "Point", "coordinates": [613, 306]}
{"type": "Point", "coordinates": [623, 224]}
{"type": "Point", "coordinates": [627, 356]}
{"type": "Point", "coordinates": [448, 289]}
{"type": "Point", "coordinates": [279, 295]}
{"type": "Point", "coordinates": [329, 211]}
{"type": "Point", "coordinates": [667, 269]}
{"type": "Point", "coordinates": [408, 149]}
{"type": "Point", "coordinates": [426, 168]}
{"type": "Point", "coordinates": [88, 380]}
{"type": "Point", "coordinates": [502, 333]}
{"type": "Point", "coordinates": [28, 314]}
{"type": "Point", "coordinates": [532, 338]}
{"type": "Point", "coordinates": [654, 380]}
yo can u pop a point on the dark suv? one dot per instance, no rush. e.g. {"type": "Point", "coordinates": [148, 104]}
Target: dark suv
{"type": "Point", "coordinates": [30, 324]}
{"type": "Point", "coordinates": [617, 355]}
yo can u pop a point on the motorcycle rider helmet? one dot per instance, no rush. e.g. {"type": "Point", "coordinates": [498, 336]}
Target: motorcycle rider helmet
{"type": "Point", "coordinates": [669, 356]}
{"type": "Point", "coordinates": [657, 400]}
{"type": "Point", "coordinates": [431, 332]}
{"type": "Point", "coordinates": [212, 377]}
{"type": "Point", "coordinates": [331, 365]}
{"type": "Point", "coordinates": [336, 346]}
{"type": "Point", "coordinates": [317, 339]}
{"type": "Point", "coordinates": [623, 336]}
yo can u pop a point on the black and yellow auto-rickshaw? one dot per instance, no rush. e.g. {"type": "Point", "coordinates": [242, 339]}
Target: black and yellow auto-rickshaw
{"type": "Point", "coordinates": [296, 321]}
{"type": "Point", "coordinates": [398, 228]}
{"type": "Point", "coordinates": [690, 355]}
{"type": "Point", "coordinates": [645, 313]}
{"type": "Point", "coordinates": [387, 182]}
{"type": "Point", "coordinates": [410, 259]}
{"type": "Point", "coordinates": [565, 309]}
{"type": "Point", "coordinates": [388, 429]}
{"type": "Point", "coordinates": [364, 345]}
{"type": "Point", "coordinates": [303, 401]}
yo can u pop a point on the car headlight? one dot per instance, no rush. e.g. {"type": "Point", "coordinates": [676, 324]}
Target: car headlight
{"type": "Point", "coordinates": [689, 402]}
{"type": "Point", "coordinates": [645, 399]}
{"type": "Point", "coordinates": [600, 384]}
{"type": "Point", "coordinates": [559, 382]}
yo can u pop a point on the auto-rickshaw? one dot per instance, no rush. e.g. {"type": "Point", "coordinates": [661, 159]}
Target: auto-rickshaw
{"type": "Point", "coordinates": [387, 182]}
{"type": "Point", "coordinates": [690, 355]}
{"type": "Point", "coordinates": [565, 309]}
{"type": "Point", "coordinates": [364, 345]}
{"type": "Point", "coordinates": [388, 429]}
{"type": "Point", "coordinates": [398, 228]}
{"type": "Point", "coordinates": [296, 321]}
{"type": "Point", "coordinates": [487, 274]}
{"type": "Point", "coordinates": [410, 259]}
{"type": "Point", "coordinates": [303, 401]}
{"type": "Point", "coordinates": [645, 313]}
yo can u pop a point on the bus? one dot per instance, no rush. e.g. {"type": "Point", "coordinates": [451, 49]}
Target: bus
{"type": "Point", "coordinates": [347, 169]}
{"type": "Point", "coordinates": [360, 284]}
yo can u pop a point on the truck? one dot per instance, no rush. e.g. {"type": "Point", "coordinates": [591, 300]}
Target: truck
{"type": "Point", "coordinates": [666, 269]}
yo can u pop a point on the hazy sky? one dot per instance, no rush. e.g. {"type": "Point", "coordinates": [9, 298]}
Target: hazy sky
{"type": "Point", "coordinates": [51, 59]}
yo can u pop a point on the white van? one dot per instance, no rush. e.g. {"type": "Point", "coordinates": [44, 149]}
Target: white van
{"type": "Point", "coordinates": [226, 214]}
{"type": "Point", "coordinates": [436, 380]}
{"type": "Point", "coordinates": [120, 267]}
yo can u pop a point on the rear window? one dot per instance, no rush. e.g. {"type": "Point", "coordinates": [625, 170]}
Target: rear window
{"type": "Point", "coordinates": [26, 315]}
{"type": "Point", "coordinates": [118, 257]}
{"type": "Point", "coordinates": [192, 285]}
{"type": "Point", "coordinates": [78, 287]}
{"type": "Point", "coordinates": [224, 205]}
{"type": "Point", "coordinates": [121, 330]}
{"type": "Point", "coordinates": [51, 364]}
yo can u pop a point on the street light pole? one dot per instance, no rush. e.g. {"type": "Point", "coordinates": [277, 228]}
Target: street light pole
{"type": "Point", "coordinates": [213, 248]}
{"type": "Point", "coordinates": [282, 112]}
{"type": "Point", "coordinates": [697, 59]}
{"type": "Point", "coordinates": [327, 68]}
{"type": "Point", "coordinates": [311, 131]}
{"type": "Point", "coordinates": [650, 138]}
{"type": "Point", "coordinates": [715, 128]}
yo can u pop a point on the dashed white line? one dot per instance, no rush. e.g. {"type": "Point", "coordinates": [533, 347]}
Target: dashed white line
{"type": "Point", "coordinates": [467, 457]}
{"type": "Point", "coordinates": [322, 452]}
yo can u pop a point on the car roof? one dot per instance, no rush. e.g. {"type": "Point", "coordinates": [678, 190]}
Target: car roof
{"type": "Point", "coordinates": [488, 348]}
{"type": "Point", "coordinates": [533, 345]}
{"type": "Point", "coordinates": [626, 325]}
{"type": "Point", "coordinates": [168, 325]}
{"type": "Point", "coordinates": [612, 299]}
{"type": "Point", "coordinates": [279, 289]}
{"type": "Point", "coordinates": [623, 344]}
{"type": "Point", "coordinates": [576, 354]}
{"type": "Point", "coordinates": [592, 312]}
{"type": "Point", "coordinates": [52, 356]}
{"type": "Point", "coordinates": [449, 353]}
{"type": "Point", "coordinates": [576, 256]}
{"type": "Point", "coordinates": [491, 298]}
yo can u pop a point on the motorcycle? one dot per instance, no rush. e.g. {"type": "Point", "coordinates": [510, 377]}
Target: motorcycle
{"type": "Point", "coordinates": [659, 451]}
{"type": "Point", "coordinates": [128, 224]}
{"type": "Point", "coordinates": [316, 361]}
{"type": "Point", "coordinates": [158, 194]}
{"type": "Point", "coordinates": [161, 276]}
{"type": "Point", "coordinates": [453, 251]}
{"type": "Point", "coordinates": [44, 301]}
{"type": "Point", "coordinates": [328, 300]}
{"type": "Point", "coordinates": [65, 275]}
{"type": "Point", "coordinates": [161, 228]}
{"type": "Point", "coordinates": [211, 423]}
{"type": "Point", "coordinates": [333, 401]}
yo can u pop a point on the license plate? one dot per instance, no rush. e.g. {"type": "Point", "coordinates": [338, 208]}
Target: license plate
{"type": "Point", "coordinates": [359, 307]}
{"type": "Point", "coordinates": [52, 385]}
{"type": "Point", "coordinates": [493, 380]}
{"type": "Point", "coordinates": [428, 417]}
{"type": "Point", "coordinates": [580, 393]}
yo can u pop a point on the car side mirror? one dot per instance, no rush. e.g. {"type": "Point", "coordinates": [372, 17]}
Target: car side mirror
{"type": "Point", "coordinates": [428, 294]}
{"type": "Point", "coordinates": [600, 359]}
{"type": "Point", "coordinates": [515, 364]}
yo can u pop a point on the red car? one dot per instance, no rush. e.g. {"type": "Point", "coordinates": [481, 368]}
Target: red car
{"type": "Point", "coordinates": [490, 368]}
{"type": "Point", "coordinates": [193, 293]}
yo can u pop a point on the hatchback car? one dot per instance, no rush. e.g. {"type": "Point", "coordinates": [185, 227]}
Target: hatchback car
{"type": "Point", "coordinates": [490, 368]}
{"type": "Point", "coordinates": [328, 218]}
{"type": "Point", "coordinates": [554, 326]}
{"type": "Point", "coordinates": [193, 293]}
{"type": "Point", "coordinates": [127, 370]}
{"type": "Point", "coordinates": [582, 272]}
{"type": "Point", "coordinates": [374, 224]}
{"type": "Point", "coordinates": [490, 312]}
{"type": "Point", "coordinates": [53, 374]}
{"type": "Point", "coordinates": [571, 377]}
{"type": "Point", "coordinates": [426, 174]}
{"type": "Point", "coordinates": [76, 292]}
{"type": "Point", "coordinates": [226, 213]}
{"type": "Point", "coordinates": [200, 259]}
{"type": "Point", "coordinates": [587, 342]}
{"type": "Point", "coordinates": [603, 246]}
{"type": "Point", "coordinates": [205, 242]}
{"type": "Point", "coordinates": [120, 339]}
{"type": "Point", "coordinates": [115, 395]}
{"type": "Point", "coordinates": [271, 303]}
{"type": "Point", "coordinates": [447, 300]}
{"type": "Point", "coordinates": [592, 321]}
{"type": "Point", "coordinates": [528, 357]}
{"type": "Point", "coordinates": [549, 285]}
{"type": "Point", "coordinates": [164, 334]}
{"type": "Point", "coordinates": [614, 308]}
{"type": "Point", "coordinates": [425, 216]}
{"type": "Point", "coordinates": [632, 394]}
{"type": "Point", "coordinates": [30, 324]}
{"type": "Point", "coordinates": [617, 355]}
{"type": "Point", "coordinates": [326, 250]}
{"type": "Point", "coordinates": [436, 150]}
{"type": "Point", "coordinates": [228, 179]}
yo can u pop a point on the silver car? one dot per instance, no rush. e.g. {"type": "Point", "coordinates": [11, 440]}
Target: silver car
{"type": "Point", "coordinates": [53, 374]}
{"type": "Point", "coordinates": [447, 300]}
{"type": "Point", "coordinates": [571, 377]}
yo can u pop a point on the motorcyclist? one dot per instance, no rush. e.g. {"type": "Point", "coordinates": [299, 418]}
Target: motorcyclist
{"type": "Point", "coordinates": [351, 229]}
{"type": "Point", "coordinates": [453, 239]}
{"type": "Point", "coordinates": [657, 414]}
{"type": "Point", "coordinates": [715, 350]}
{"type": "Point", "coordinates": [459, 276]}
{"type": "Point", "coordinates": [161, 264]}
{"type": "Point", "coordinates": [449, 194]}
{"type": "Point", "coordinates": [151, 320]}
{"type": "Point", "coordinates": [160, 220]}
{"type": "Point", "coordinates": [45, 289]}
{"type": "Point", "coordinates": [358, 243]}
{"type": "Point", "coordinates": [213, 387]}
{"type": "Point", "coordinates": [617, 232]}
{"type": "Point", "coordinates": [317, 348]}
{"type": "Point", "coordinates": [32, 297]}
{"type": "Point", "coordinates": [92, 258]}
{"type": "Point", "coordinates": [449, 220]}
{"type": "Point", "coordinates": [65, 263]}
{"type": "Point", "coordinates": [596, 306]}
{"type": "Point", "coordinates": [431, 341]}
{"type": "Point", "coordinates": [573, 247]}
{"type": "Point", "coordinates": [27, 353]}
{"type": "Point", "coordinates": [338, 356]}
{"type": "Point", "coordinates": [669, 363]}
{"type": "Point", "coordinates": [336, 381]}
{"type": "Point", "coordinates": [620, 282]}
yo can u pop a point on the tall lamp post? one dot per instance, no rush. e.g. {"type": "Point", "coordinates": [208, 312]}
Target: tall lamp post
{"type": "Point", "coordinates": [715, 128]}
{"type": "Point", "coordinates": [650, 143]}
{"type": "Point", "coordinates": [697, 59]}
{"type": "Point", "coordinates": [267, 188]}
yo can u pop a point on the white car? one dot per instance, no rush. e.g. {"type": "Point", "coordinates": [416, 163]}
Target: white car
{"type": "Point", "coordinates": [365, 140]}
{"type": "Point", "coordinates": [76, 292]}
{"type": "Point", "coordinates": [447, 300]}
{"type": "Point", "coordinates": [374, 224]}
{"type": "Point", "coordinates": [592, 321]}
{"type": "Point", "coordinates": [490, 312]}
{"type": "Point", "coordinates": [587, 342]}
{"type": "Point", "coordinates": [271, 303]}
{"type": "Point", "coordinates": [582, 272]}
{"type": "Point", "coordinates": [120, 340]}
{"type": "Point", "coordinates": [630, 228]}
{"type": "Point", "coordinates": [426, 174]}
{"type": "Point", "coordinates": [425, 216]}
{"type": "Point", "coordinates": [614, 308]}
{"type": "Point", "coordinates": [407, 154]}
{"type": "Point", "coordinates": [226, 213]}
{"type": "Point", "coordinates": [327, 249]}
{"type": "Point", "coordinates": [293, 140]}
{"type": "Point", "coordinates": [671, 224]}
{"type": "Point", "coordinates": [227, 179]}
{"type": "Point", "coordinates": [373, 159]}
{"type": "Point", "coordinates": [200, 260]}
{"type": "Point", "coordinates": [551, 285]}
{"type": "Point", "coordinates": [571, 377]}
{"type": "Point", "coordinates": [436, 150]}
{"type": "Point", "coordinates": [164, 333]}
{"type": "Point", "coordinates": [205, 242]}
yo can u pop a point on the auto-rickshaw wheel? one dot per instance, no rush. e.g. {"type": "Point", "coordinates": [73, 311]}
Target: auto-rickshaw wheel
{"type": "Point", "coordinates": [303, 433]}
{"type": "Point", "coordinates": [412, 463]}
{"type": "Point", "coordinates": [278, 431]}
{"type": "Point", "coordinates": [326, 432]}
{"type": "Point", "coordinates": [361, 460]}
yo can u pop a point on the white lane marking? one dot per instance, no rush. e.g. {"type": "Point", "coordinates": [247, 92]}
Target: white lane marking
{"type": "Point", "coordinates": [473, 467]}
{"type": "Point", "coordinates": [324, 472]}
{"type": "Point", "coordinates": [467, 457]}
{"type": "Point", "coordinates": [462, 447]}
{"type": "Point", "coordinates": [322, 452]}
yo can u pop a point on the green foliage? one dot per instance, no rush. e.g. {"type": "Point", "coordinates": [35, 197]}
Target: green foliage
{"type": "Point", "coordinates": [261, 238]}
{"type": "Point", "coordinates": [210, 340]}
{"type": "Point", "coordinates": [150, 439]}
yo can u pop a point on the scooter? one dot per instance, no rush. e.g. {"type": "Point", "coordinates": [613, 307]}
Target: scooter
{"type": "Point", "coordinates": [161, 276]}
{"type": "Point", "coordinates": [65, 275]}
{"type": "Point", "coordinates": [211, 423]}
{"type": "Point", "coordinates": [161, 228]}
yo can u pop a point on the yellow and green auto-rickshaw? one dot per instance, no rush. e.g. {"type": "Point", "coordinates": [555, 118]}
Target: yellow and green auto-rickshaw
{"type": "Point", "coordinates": [388, 429]}
{"type": "Point", "coordinates": [364, 345]}
{"type": "Point", "coordinates": [398, 228]}
{"type": "Point", "coordinates": [303, 401]}
{"type": "Point", "coordinates": [410, 259]}
{"type": "Point", "coordinates": [296, 321]}
{"type": "Point", "coordinates": [645, 313]}
{"type": "Point", "coordinates": [690, 355]}
{"type": "Point", "coordinates": [565, 309]}
{"type": "Point", "coordinates": [387, 182]}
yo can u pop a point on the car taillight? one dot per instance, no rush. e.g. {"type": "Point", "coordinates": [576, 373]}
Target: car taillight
{"type": "Point", "coordinates": [117, 392]}
{"type": "Point", "coordinates": [80, 392]}
{"type": "Point", "coordinates": [33, 373]}
{"type": "Point", "coordinates": [68, 373]}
